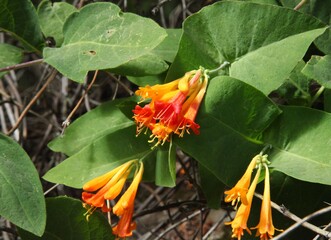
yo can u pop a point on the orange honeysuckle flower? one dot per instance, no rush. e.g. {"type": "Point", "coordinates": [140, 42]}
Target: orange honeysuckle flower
{"type": "Point", "coordinates": [125, 206]}
{"type": "Point", "coordinates": [173, 106]}
{"type": "Point", "coordinates": [239, 223]}
{"type": "Point", "coordinates": [265, 228]}
{"type": "Point", "coordinates": [239, 191]}
{"type": "Point", "coordinates": [108, 185]}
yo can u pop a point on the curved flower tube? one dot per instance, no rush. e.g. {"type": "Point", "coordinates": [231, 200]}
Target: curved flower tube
{"type": "Point", "coordinates": [239, 223]}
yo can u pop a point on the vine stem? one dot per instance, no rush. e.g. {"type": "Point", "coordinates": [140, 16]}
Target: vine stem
{"type": "Point", "coordinates": [316, 96]}
{"type": "Point", "coordinates": [67, 121]}
{"type": "Point", "coordinates": [33, 100]}
{"type": "Point", "coordinates": [21, 65]}
{"type": "Point", "coordinates": [300, 4]}
{"type": "Point", "coordinates": [298, 220]}
{"type": "Point", "coordinates": [223, 65]}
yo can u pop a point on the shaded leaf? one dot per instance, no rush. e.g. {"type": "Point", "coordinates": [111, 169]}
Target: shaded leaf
{"type": "Point", "coordinates": [165, 170]}
{"type": "Point", "coordinates": [20, 19]}
{"type": "Point", "coordinates": [301, 141]}
{"type": "Point", "coordinates": [22, 200]}
{"type": "Point", "coordinates": [236, 32]}
{"type": "Point", "coordinates": [149, 64]}
{"type": "Point", "coordinates": [99, 36]}
{"type": "Point", "coordinates": [147, 80]}
{"type": "Point", "coordinates": [168, 48]}
{"type": "Point", "coordinates": [66, 221]}
{"type": "Point", "coordinates": [10, 55]}
{"type": "Point", "coordinates": [52, 17]}
{"type": "Point", "coordinates": [319, 69]}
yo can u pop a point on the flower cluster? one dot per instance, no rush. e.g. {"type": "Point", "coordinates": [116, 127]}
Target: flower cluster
{"type": "Point", "coordinates": [173, 106]}
{"type": "Point", "coordinates": [244, 191]}
{"type": "Point", "coordinates": [109, 187]}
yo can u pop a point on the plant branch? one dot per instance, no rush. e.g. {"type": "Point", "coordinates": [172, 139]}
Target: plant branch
{"type": "Point", "coordinates": [298, 220]}
{"type": "Point", "coordinates": [67, 121]}
{"type": "Point", "coordinates": [33, 100]}
{"type": "Point", "coordinates": [21, 65]}
{"type": "Point", "coordinates": [300, 4]}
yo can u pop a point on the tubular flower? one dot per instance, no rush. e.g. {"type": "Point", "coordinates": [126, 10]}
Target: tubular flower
{"type": "Point", "coordinates": [265, 228]}
{"type": "Point", "coordinates": [125, 206]}
{"type": "Point", "coordinates": [173, 106]}
{"type": "Point", "coordinates": [239, 191]}
{"type": "Point", "coordinates": [109, 187]}
{"type": "Point", "coordinates": [239, 223]}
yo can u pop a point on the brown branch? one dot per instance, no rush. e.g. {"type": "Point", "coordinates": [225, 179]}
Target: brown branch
{"type": "Point", "coordinates": [299, 222]}
{"type": "Point", "coordinates": [300, 4]}
{"type": "Point", "coordinates": [21, 65]}
{"type": "Point", "coordinates": [33, 100]}
{"type": "Point", "coordinates": [66, 122]}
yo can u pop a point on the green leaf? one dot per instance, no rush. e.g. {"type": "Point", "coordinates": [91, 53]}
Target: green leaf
{"type": "Point", "coordinates": [99, 36]}
{"type": "Point", "coordinates": [239, 32]}
{"type": "Point", "coordinates": [232, 118]}
{"type": "Point", "coordinates": [321, 10]}
{"type": "Point", "coordinates": [319, 69]}
{"type": "Point", "coordinates": [147, 80]}
{"type": "Point", "coordinates": [52, 17]}
{"type": "Point", "coordinates": [66, 221]}
{"type": "Point", "coordinates": [10, 55]}
{"type": "Point", "coordinates": [103, 120]}
{"type": "Point", "coordinates": [99, 156]}
{"type": "Point", "coordinates": [301, 141]}
{"type": "Point", "coordinates": [168, 48]}
{"type": "Point", "coordinates": [211, 186]}
{"type": "Point", "coordinates": [22, 200]}
{"type": "Point", "coordinates": [19, 18]}
{"type": "Point", "coordinates": [149, 64]}
{"type": "Point", "coordinates": [165, 170]}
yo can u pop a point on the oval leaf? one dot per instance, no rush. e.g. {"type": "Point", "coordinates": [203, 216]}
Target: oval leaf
{"type": "Point", "coordinates": [319, 69]}
{"type": "Point", "coordinates": [99, 36]}
{"type": "Point", "coordinates": [301, 140]}
{"type": "Point", "coordinates": [22, 200]}
{"type": "Point", "coordinates": [239, 32]}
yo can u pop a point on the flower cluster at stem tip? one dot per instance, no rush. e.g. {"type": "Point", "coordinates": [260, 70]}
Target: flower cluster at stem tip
{"type": "Point", "coordinates": [244, 191]}
{"type": "Point", "coordinates": [108, 187]}
{"type": "Point", "coordinates": [172, 108]}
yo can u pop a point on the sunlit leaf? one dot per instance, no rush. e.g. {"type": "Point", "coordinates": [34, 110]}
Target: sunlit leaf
{"type": "Point", "coordinates": [236, 32]}
{"type": "Point", "coordinates": [301, 141]}
{"type": "Point", "coordinates": [100, 36]}
{"type": "Point", "coordinates": [22, 200]}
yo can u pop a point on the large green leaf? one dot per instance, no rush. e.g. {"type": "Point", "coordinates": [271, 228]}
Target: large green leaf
{"type": "Point", "coordinates": [66, 221]}
{"type": "Point", "coordinates": [52, 17]}
{"type": "Point", "coordinates": [100, 156]}
{"type": "Point", "coordinates": [321, 10]}
{"type": "Point", "coordinates": [100, 36]}
{"type": "Point", "coordinates": [22, 200]}
{"type": "Point", "coordinates": [19, 18]}
{"type": "Point", "coordinates": [301, 140]}
{"type": "Point", "coordinates": [10, 55]}
{"type": "Point", "coordinates": [232, 119]}
{"type": "Point", "coordinates": [103, 120]}
{"type": "Point", "coordinates": [239, 32]}
{"type": "Point", "coordinates": [319, 69]}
